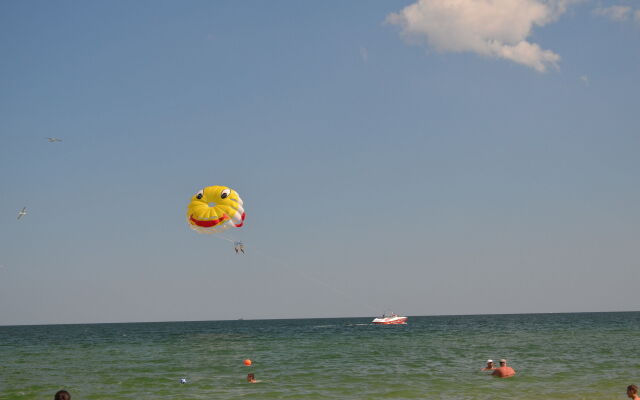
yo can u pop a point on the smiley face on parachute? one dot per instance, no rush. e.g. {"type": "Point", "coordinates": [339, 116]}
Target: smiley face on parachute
{"type": "Point", "coordinates": [215, 209]}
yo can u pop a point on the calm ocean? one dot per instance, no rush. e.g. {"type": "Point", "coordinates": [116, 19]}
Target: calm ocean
{"type": "Point", "coordinates": [557, 356]}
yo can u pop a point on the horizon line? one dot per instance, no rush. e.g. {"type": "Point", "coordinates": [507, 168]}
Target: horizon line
{"type": "Point", "coordinates": [287, 319]}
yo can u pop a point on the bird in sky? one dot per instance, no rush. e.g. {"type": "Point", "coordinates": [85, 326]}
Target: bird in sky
{"type": "Point", "coordinates": [22, 212]}
{"type": "Point", "coordinates": [53, 140]}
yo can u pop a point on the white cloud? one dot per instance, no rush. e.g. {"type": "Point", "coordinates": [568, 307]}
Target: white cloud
{"type": "Point", "coordinates": [585, 80]}
{"type": "Point", "coordinates": [364, 54]}
{"type": "Point", "coordinates": [616, 13]}
{"type": "Point", "coordinates": [496, 28]}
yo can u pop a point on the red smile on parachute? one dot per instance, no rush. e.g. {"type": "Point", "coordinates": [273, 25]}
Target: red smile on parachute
{"type": "Point", "coordinates": [214, 222]}
{"type": "Point", "coordinates": [210, 223]}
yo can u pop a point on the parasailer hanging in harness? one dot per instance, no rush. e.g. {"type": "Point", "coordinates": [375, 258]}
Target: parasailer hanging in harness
{"type": "Point", "coordinates": [239, 247]}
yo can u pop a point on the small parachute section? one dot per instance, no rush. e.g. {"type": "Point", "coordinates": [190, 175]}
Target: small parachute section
{"type": "Point", "coordinates": [215, 209]}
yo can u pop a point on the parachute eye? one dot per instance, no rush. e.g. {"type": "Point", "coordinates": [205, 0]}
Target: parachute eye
{"type": "Point", "coordinates": [200, 194]}
{"type": "Point", "coordinates": [225, 193]}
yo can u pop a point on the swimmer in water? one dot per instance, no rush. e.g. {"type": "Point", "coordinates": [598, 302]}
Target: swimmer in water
{"type": "Point", "coordinates": [490, 366]}
{"type": "Point", "coordinates": [503, 371]}
{"type": "Point", "coordinates": [251, 378]}
{"type": "Point", "coordinates": [62, 395]}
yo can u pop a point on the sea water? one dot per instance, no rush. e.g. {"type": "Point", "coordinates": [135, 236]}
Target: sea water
{"type": "Point", "coordinates": [556, 356]}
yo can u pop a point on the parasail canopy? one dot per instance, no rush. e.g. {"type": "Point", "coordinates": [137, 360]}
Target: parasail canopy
{"type": "Point", "coordinates": [215, 209]}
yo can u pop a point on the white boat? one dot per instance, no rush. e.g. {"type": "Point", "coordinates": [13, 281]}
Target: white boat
{"type": "Point", "coordinates": [390, 319]}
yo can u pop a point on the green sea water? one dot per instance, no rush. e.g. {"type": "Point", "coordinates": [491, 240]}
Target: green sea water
{"type": "Point", "coordinates": [556, 356]}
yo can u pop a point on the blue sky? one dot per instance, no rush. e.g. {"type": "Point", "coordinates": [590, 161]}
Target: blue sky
{"type": "Point", "coordinates": [391, 155]}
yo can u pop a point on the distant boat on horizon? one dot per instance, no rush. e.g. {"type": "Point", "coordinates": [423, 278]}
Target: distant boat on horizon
{"type": "Point", "coordinates": [390, 319]}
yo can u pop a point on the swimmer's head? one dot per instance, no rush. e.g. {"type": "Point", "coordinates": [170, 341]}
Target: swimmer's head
{"type": "Point", "coordinates": [62, 395]}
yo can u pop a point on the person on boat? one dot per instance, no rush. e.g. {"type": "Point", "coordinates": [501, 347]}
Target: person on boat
{"type": "Point", "coordinates": [503, 371]}
{"type": "Point", "coordinates": [490, 366]}
{"type": "Point", "coordinates": [632, 392]}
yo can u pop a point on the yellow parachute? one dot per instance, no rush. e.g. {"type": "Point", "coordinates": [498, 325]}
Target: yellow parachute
{"type": "Point", "coordinates": [215, 209]}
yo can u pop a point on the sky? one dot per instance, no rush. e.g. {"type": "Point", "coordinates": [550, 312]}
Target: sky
{"type": "Point", "coordinates": [429, 157]}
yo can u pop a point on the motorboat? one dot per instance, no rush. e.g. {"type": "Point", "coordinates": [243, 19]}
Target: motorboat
{"type": "Point", "coordinates": [390, 319]}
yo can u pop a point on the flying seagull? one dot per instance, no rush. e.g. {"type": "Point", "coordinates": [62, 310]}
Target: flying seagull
{"type": "Point", "coordinates": [22, 212]}
{"type": "Point", "coordinates": [53, 140]}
